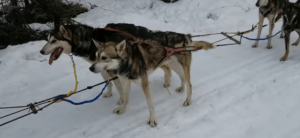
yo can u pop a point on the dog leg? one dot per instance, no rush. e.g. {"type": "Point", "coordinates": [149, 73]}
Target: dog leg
{"type": "Point", "coordinates": [126, 84]}
{"type": "Point", "coordinates": [271, 27]}
{"type": "Point", "coordinates": [118, 85]}
{"type": "Point", "coordinates": [259, 30]}
{"type": "Point", "coordinates": [180, 72]}
{"type": "Point", "coordinates": [105, 76]}
{"type": "Point", "coordinates": [187, 75]}
{"type": "Point", "coordinates": [147, 90]}
{"type": "Point", "coordinates": [167, 77]}
{"type": "Point", "coordinates": [277, 18]}
{"type": "Point", "coordinates": [298, 40]}
{"type": "Point", "coordinates": [282, 31]}
{"type": "Point", "coordinates": [287, 43]}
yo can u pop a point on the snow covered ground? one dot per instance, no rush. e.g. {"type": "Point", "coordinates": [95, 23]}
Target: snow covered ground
{"type": "Point", "coordinates": [238, 91]}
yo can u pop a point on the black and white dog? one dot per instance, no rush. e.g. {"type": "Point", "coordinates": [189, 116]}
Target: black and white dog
{"type": "Point", "coordinates": [77, 39]}
{"type": "Point", "coordinates": [291, 22]}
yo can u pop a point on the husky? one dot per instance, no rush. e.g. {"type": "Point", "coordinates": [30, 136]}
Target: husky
{"type": "Point", "coordinates": [135, 61]}
{"type": "Point", "coordinates": [77, 39]}
{"type": "Point", "coordinates": [291, 22]}
{"type": "Point", "coordinates": [271, 9]}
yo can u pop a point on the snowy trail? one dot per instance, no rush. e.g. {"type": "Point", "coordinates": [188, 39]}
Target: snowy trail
{"type": "Point", "coordinates": [238, 91]}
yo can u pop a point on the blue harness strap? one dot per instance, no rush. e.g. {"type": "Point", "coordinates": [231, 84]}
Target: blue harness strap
{"type": "Point", "coordinates": [252, 39]}
{"type": "Point", "coordinates": [84, 102]}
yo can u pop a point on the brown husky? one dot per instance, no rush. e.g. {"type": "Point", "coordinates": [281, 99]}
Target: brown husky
{"type": "Point", "coordinates": [135, 61]}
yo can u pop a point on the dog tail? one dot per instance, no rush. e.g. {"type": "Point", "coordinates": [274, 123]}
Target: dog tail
{"type": "Point", "coordinates": [204, 45]}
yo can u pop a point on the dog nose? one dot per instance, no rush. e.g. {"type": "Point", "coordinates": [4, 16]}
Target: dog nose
{"type": "Point", "coordinates": [42, 52]}
{"type": "Point", "coordinates": [92, 68]}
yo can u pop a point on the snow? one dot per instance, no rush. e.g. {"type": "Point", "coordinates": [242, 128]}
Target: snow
{"type": "Point", "coordinates": [39, 26]}
{"type": "Point", "coordinates": [238, 91]}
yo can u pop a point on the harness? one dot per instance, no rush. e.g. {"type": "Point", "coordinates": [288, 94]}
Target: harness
{"type": "Point", "coordinates": [265, 13]}
{"type": "Point", "coordinates": [170, 50]}
{"type": "Point", "coordinates": [123, 32]}
{"type": "Point", "coordinates": [116, 30]}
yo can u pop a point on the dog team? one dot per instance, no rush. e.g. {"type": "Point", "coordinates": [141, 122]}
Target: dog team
{"type": "Point", "coordinates": [133, 52]}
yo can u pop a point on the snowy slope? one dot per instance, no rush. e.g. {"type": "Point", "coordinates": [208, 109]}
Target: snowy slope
{"type": "Point", "coordinates": [238, 91]}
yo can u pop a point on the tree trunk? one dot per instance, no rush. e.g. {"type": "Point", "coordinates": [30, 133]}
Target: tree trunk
{"type": "Point", "coordinates": [14, 2]}
{"type": "Point", "coordinates": [26, 3]}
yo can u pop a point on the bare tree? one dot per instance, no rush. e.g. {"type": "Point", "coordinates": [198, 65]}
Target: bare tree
{"type": "Point", "coordinates": [14, 2]}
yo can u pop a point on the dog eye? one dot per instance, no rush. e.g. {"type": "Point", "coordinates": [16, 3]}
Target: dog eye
{"type": "Point", "coordinates": [53, 41]}
{"type": "Point", "coordinates": [103, 58]}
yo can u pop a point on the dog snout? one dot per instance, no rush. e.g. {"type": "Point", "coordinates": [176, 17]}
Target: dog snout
{"type": "Point", "coordinates": [42, 52]}
{"type": "Point", "coordinates": [92, 68]}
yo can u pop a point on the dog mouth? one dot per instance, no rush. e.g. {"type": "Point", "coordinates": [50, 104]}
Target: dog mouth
{"type": "Point", "coordinates": [55, 55]}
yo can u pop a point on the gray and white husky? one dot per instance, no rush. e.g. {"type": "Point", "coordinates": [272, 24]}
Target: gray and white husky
{"type": "Point", "coordinates": [135, 61]}
{"type": "Point", "coordinates": [271, 9]}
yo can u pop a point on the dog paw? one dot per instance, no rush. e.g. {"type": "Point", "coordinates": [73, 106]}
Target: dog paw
{"type": "Point", "coordinates": [269, 47]}
{"type": "Point", "coordinates": [254, 46]}
{"type": "Point", "coordinates": [187, 103]}
{"type": "Point", "coordinates": [107, 94]}
{"type": "Point", "coordinates": [120, 101]}
{"type": "Point", "coordinates": [180, 89]}
{"type": "Point", "coordinates": [283, 59]}
{"type": "Point", "coordinates": [152, 122]}
{"type": "Point", "coordinates": [295, 44]}
{"type": "Point", "coordinates": [119, 110]}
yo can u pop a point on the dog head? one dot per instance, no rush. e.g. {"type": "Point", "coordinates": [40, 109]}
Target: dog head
{"type": "Point", "coordinates": [261, 3]}
{"type": "Point", "coordinates": [59, 41]}
{"type": "Point", "coordinates": [291, 13]}
{"type": "Point", "coordinates": [109, 56]}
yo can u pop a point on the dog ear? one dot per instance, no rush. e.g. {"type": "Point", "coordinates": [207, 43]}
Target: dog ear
{"type": "Point", "coordinates": [98, 44]}
{"type": "Point", "coordinates": [121, 49]}
{"type": "Point", "coordinates": [66, 33]}
{"type": "Point", "coordinates": [257, 3]}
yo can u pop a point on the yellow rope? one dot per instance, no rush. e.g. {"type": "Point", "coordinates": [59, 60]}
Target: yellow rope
{"type": "Point", "coordinates": [260, 20]}
{"type": "Point", "coordinates": [76, 83]}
